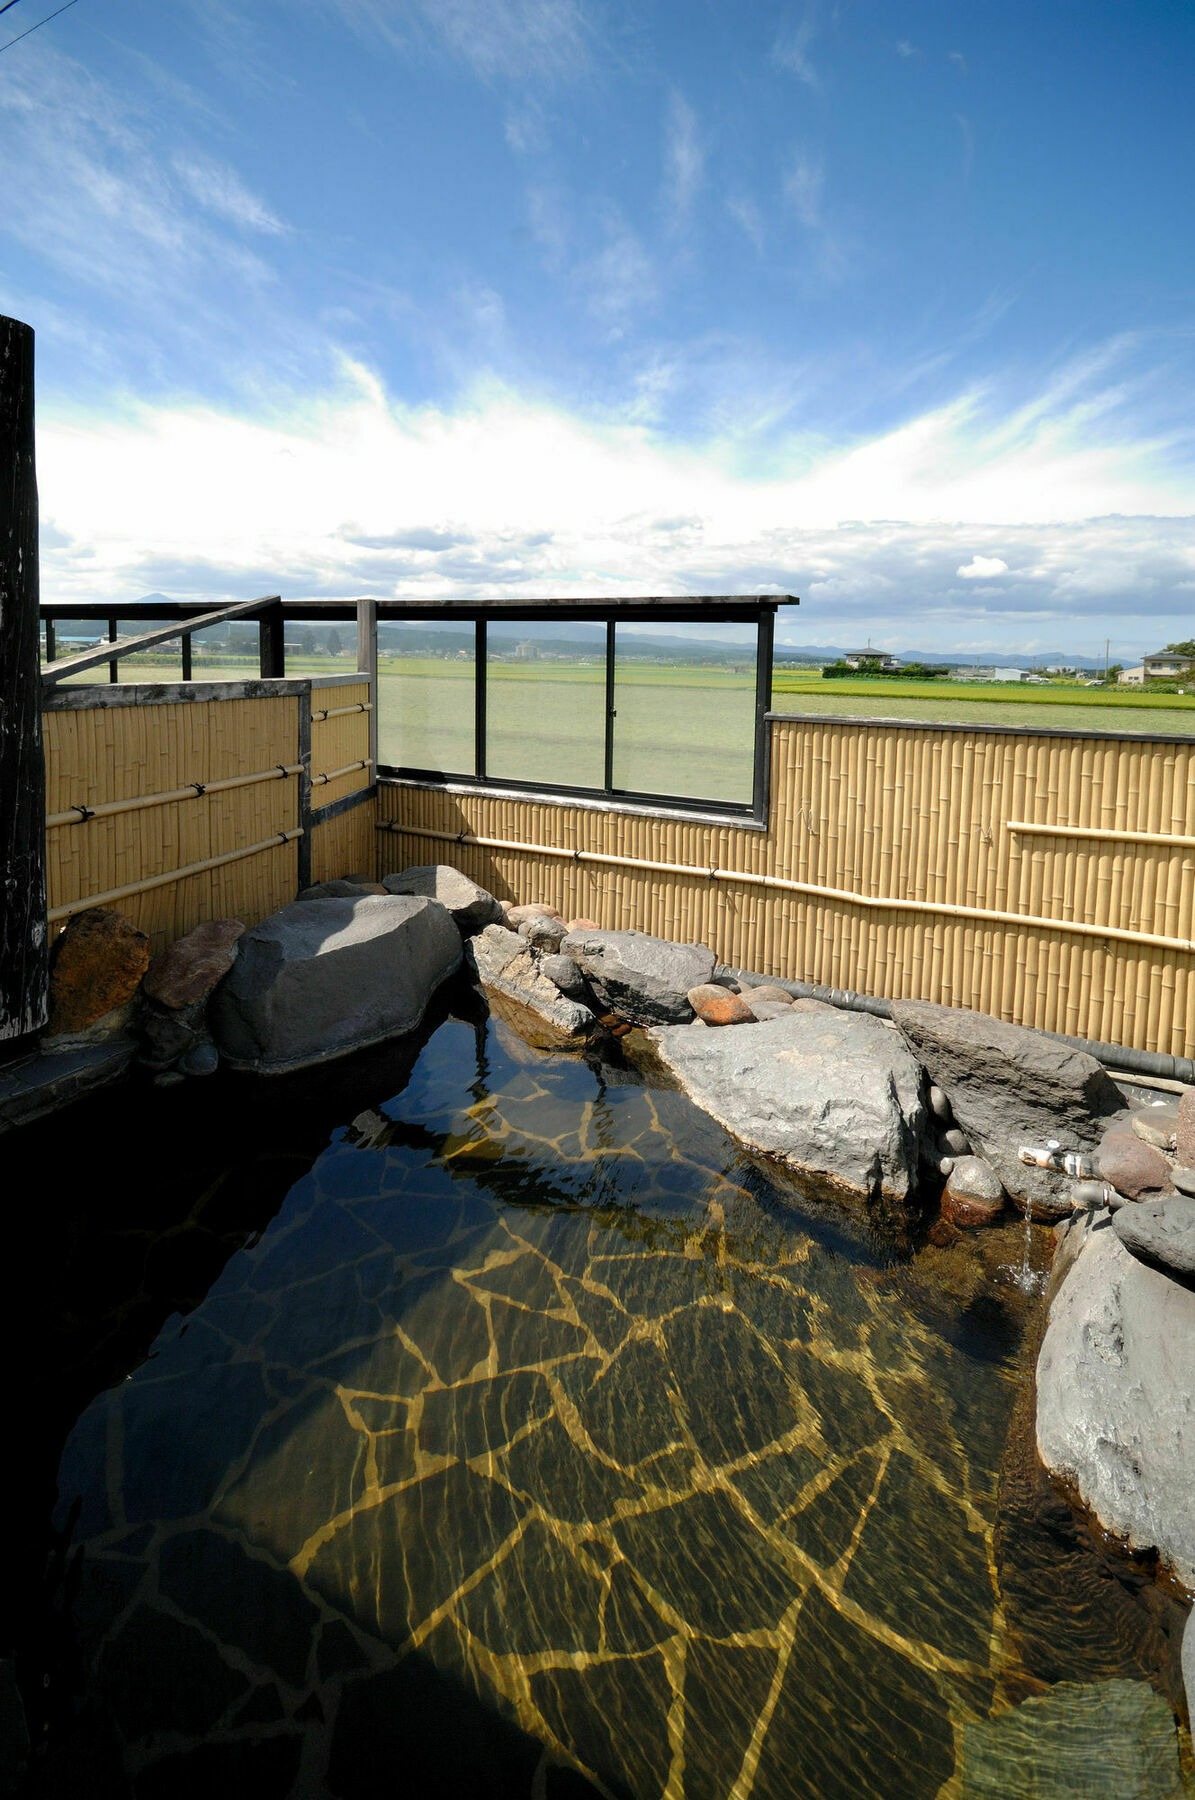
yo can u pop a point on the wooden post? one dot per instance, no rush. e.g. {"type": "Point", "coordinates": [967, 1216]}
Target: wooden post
{"type": "Point", "coordinates": [23, 969]}
{"type": "Point", "coordinates": [367, 662]}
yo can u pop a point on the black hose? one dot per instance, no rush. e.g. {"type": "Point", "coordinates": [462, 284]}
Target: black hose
{"type": "Point", "coordinates": [1113, 1056]}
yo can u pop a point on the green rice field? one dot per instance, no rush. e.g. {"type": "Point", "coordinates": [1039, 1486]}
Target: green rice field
{"type": "Point", "coordinates": [684, 730]}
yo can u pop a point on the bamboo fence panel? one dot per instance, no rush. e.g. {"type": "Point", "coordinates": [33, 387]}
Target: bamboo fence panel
{"type": "Point", "coordinates": [902, 814]}
{"type": "Point", "coordinates": [346, 845]}
{"type": "Point", "coordinates": [339, 742]}
{"type": "Point", "coordinates": [119, 752]}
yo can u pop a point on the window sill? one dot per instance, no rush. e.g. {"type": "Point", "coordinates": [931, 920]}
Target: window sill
{"type": "Point", "coordinates": [694, 814]}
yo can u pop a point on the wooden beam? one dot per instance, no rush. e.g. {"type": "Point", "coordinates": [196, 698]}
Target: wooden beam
{"type": "Point", "coordinates": [23, 967]}
{"type": "Point", "coordinates": [90, 659]}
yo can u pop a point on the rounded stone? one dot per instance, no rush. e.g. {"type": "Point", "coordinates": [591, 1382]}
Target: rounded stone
{"type": "Point", "coordinates": [767, 1009]}
{"type": "Point", "coordinates": [768, 991]}
{"type": "Point", "coordinates": [718, 1006]}
{"type": "Point", "coordinates": [1160, 1233]}
{"type": "Point", "coordinates": [201, 1059]}
{"type": "Point", "coordinates": [974, 1194]}
{"type": "Point", "coordinates": [191, 966]}
{"type": "Point", "coordinates": [939, 1104]}
{"type": "Point", "coordinates": [956, 1141]}
{"type": "Point", "coordinates": [517, 914]}
{"type": "Point", "coordinates": [1183, 1179]}
{"type": "Point", "coordinates": [1186, 1128]}
{"type": "Point", "coordinates": [1134, 1168]}
{"type": "Point", "coordinates": [583, 925]}
{"type": "Point", "coordinates": [1156, 1125]}
{"type": "Point", "coordinates": [945, 1164]}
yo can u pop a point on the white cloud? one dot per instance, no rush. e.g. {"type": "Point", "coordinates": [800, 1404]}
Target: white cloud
{"type": "Point", "coordinates": [747, 216]}
{"type": "Point", "coordinates": [221, 191]}
{"type": "Point", "coordinates": [506, 491]}
{"type": "Point", "coordinates": [791, 49]}
{"type": "Point", "coordinates": [906, 49]}
{"type": "Point", "coordinates": [803, 189]}
{"type": "Point", "coordinates": [684, 161]}
{"type": "Point", "coordinates": [983, 568]}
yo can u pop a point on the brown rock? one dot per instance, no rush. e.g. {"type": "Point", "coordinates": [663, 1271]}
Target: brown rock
{"type": "Point", "coordinates": [516, 914]}
{"type": "Point", "coordinates": [718, 1006]}
{"type": "Point", "coordinates": [1135, 1169]}
{"type": "Point", "coordinates": [583, 925]}
{"type": "Point", "coordinates": [1186, 1129]}
{"type": "Point", "coordinates": [189, 968]}
{"type": "Point", "coordinates": [97, 966]}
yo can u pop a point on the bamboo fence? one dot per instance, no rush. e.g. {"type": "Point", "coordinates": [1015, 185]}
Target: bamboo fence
{"type": "Point", "coordinates": [932, 862]}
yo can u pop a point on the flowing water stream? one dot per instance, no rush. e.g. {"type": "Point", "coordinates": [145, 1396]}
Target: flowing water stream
{"type": "Point", "coordinates": [546, 1445]}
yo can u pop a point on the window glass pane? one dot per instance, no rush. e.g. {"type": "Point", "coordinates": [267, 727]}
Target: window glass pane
{"type": "Point", "coordinates": [426, 695]}
{"type": "Point", "coordinates": [546, 702]}
{"type": "Point", "coordinates": [228, 652]}
{"type": "Point", "coordinates": [71, 638]}
{"type": "Point", "coordinates": [160, 662]}
{"type": "Point", "coordinates": [684, 700]}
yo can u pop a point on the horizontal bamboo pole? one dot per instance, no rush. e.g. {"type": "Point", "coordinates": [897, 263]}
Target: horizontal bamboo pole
{"type": "Point", "coordinates": [878, 902]}
{"type": "Point", "coordinates": [1088, 831]}
{"type": "Point", "coordinates": [336, 712]}
{"type": "Point", "coordinates": [154, 881]}
{"type": "Point", "coordinates": [79, 815]}
{"type": "Point", "coordinates": [335, 774]}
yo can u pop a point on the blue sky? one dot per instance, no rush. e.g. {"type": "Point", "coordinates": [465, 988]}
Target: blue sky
{"type": "Point", "coordinates": [888, 305]}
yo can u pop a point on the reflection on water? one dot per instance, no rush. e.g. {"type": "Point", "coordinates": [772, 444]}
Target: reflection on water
{"type": "Point", "coordinates": [535, 1450]}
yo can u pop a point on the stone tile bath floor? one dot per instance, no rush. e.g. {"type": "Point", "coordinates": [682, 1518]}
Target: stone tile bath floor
{"type": "Point", "coordinates": [535, 1450]}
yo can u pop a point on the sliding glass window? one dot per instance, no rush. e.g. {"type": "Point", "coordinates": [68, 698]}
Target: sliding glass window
{"type": "Point", "coordinates": [545, 702]}
{"type": "Point", "coordinates": [684, 711]}
{"type": "Point", "coordinates": [426, 695]}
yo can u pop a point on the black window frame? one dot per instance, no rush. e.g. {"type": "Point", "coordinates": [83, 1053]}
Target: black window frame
{"type": "Point", "coordinates": [759, 611]}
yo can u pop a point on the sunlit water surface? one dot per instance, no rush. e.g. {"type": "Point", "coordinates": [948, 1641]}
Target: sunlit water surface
{"type": "Point", "coordinates": [539, 1448]}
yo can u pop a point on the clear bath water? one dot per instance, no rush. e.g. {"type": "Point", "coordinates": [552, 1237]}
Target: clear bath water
{"type": "Point", "coordinates": [543, 1443]}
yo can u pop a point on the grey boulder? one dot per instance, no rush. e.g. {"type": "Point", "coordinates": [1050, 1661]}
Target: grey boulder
{"type": "Point", "coordinates": [564, 974]}
{"type": "Point", "coordinates": [1116, 1396]}
{"type": "Point", "coordinates": [506, 965]}
{"type": "Point", "coordinates": [340, 890]}
{"type": "Point", "coordinates": [472, 908]}
{"type": "Point", "coordinates": [1009, 1085]}
{"type": "Point", "coordinates": [645, 979]}
{"type": "Point", "coordinates": [1160, 1233]}
{"type": "Point", "coordinates": [835, 1095]}
{"type": "Point", "coordinates": [322, 977]}
{"type": "Point", "coordinates": [543, 932]}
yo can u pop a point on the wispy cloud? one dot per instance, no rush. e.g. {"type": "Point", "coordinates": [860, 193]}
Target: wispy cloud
{"type": "Point", "coordinates": [684, 161]}
{"type": "Point", "coordinates": [791, 48]}
{"type": "Point", "coordinates": [959, 61]}
{"type": "Point", "coordinates": [803, 183]}
{"type": "Point", "coordinates": [748, 218]}
{"type": "Point", "coordinates": [509, 40]}
{"type": "Point", "coordinates": [906, 49]}
{"type": "Point", "coordinates": [220, 190]}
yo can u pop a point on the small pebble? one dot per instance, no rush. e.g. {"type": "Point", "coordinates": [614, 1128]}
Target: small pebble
{"type": "Point", "coordinates": [946, 1164]}
{"type": "Point", "coordinates": [169, 1078]}
{"type": "Point", "coordinates": [1184, 1180]}
{"type": "Point", "coordinates": [956, 1141]}
{"type": "Point", "coordinates": [939, 1104]}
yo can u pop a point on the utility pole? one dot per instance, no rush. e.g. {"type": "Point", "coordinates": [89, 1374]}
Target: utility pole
{"type": "Point", "coordinates": [23, 969]}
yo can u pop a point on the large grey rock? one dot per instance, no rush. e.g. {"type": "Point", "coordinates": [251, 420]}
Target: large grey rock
{"type": "Point", "coordinates": [1116, 1397]}
{"type": "Point", "coordinates": [973, 1193]}
{"type": "Point", "coordinates": [833, 1094]}
{"type": "Point", "coordinates": [471, 906]}
{"type": "Point", "coordinates": [505, 964]}
{"type": "Point", "coordinates": [340, 890]}
{"type": "Point", "coordinates": [1009, 1086]}
{"type": "Point", "coordinates": [1162, 1234]}
{"type": "Point", "coordinates": [564, 974]}
{"type": "Point", "coordinates": [645, 979]}
{"type": "Point", "coordinates": [323, 977]}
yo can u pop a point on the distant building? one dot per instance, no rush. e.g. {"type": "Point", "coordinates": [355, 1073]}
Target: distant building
{"type": "Point", "coordinates": [1131, 677]}
{"type": "Point", "coordinates": [854, 659]}
{"type": "Point", "coordinates": [1167, 665]}
{"type": "Point", "coordinates": [973, 673]}
{"type": "Point", "coordinates": [526, 651]}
